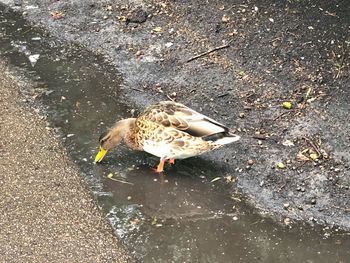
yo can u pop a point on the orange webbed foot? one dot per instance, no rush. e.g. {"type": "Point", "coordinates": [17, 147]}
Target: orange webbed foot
{"type": "Point", "coordinates": [172, 161]}
{"type": "Point", "coordinates": [160, 167]}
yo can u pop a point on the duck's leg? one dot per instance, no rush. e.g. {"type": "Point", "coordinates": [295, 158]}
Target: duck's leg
{"type": "Point", "coordinates": [172, 161]}
{"type": "Point", "coordinates": [160, 166]}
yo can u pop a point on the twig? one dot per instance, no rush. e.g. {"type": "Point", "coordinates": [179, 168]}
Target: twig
{"type": "Point", "coordinates": [313, 146]}
{"type": "Point", "coordinates": [282, 114]}
{"type": "Point", "coordinates": [209, 51]}
{"type": "Point", "coordinates": [80, 115]}
{"type": "Point", "coordinates": [308, 92]}
{"type": "Point", "coordinates": [170, 98]}
{"type": "Point", "coordinates": [301, 165]}
{"type": "Point", "coordinates": [341, 65]}
{"type": "Point", "coordinates": [223, 95]}
{"type": "Point", "coordinates": [120, 181]}
{"type": "Point", "coordinates": [137, 89]}
{"type": "Point", "coordinates": [259, 137]}
{"type": "Point", "coordinates": [283, 186]}
{"type": "Point", "coordinates": [25, 32]}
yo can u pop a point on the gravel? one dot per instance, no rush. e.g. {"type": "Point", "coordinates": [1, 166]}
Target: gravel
{"type": "Point", "coordinates": [47, 213]}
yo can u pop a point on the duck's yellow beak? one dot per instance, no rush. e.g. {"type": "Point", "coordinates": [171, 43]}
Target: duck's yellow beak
{"type": "Point", "coordinates": [99, 156]}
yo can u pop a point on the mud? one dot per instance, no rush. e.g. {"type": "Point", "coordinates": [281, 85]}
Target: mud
{"type": "Point", "coordinates": [294, 51]}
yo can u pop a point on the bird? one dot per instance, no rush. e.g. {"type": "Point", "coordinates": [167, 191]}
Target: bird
{"type": "Point", "coordinates": [168, 130]}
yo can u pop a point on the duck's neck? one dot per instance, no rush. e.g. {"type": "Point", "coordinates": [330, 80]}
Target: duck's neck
{"type": "Point", "coordinates": [127, 129]}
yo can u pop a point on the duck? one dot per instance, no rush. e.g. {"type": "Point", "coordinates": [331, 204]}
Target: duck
{"type": "Point", "coordinates": [168, 130]}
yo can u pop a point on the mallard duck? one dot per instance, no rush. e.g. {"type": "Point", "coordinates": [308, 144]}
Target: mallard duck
{"type": "Point", "coordinates": [168, 130]}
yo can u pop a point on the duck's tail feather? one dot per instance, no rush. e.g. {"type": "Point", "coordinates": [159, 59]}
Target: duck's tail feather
{"type": "Point", "coordinates": [222, 138]}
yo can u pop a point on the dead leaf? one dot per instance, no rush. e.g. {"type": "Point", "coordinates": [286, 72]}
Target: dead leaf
{"type": "Point", "coordinates": [57, 15]}
{"type": "Point", "coordinates": [157, 29]}
{"type": "Point", "coordinates": [302, 157]}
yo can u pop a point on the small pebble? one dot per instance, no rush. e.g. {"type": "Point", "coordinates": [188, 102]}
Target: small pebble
{"type": "Point", "coordinates": [313, 201]}
{"type": "Point", "coordinates": [168, 44]}
{"type": "Point", "coordinates": [138, 53]}
{"type": "Point", "coordinates": [241, 115]}
{"type": "Point", "coordinates": [286, 205]}
{"type": "Point", "coordinates": [250, 162]}
{"type": "Point", "coordinates": [225, 19]}
{"type": "Point", "coordinates": [286, 221]}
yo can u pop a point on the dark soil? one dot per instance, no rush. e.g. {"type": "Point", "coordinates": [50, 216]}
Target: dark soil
{"type": "Point", "coordinates": [279, 51]}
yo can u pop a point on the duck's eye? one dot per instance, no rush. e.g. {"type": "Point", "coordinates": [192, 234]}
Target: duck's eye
{"type": "Point", "coordinates": [102, 138]}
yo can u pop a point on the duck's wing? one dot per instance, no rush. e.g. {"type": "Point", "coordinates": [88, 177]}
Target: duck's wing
{"type": "Point", "coordinates": [181, 117]}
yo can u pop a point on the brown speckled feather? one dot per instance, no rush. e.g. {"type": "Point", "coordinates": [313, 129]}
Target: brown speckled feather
{"type": "Point", "coordinates": [172, 130]}
{"type": "Point", "coordinates": [179, 116]}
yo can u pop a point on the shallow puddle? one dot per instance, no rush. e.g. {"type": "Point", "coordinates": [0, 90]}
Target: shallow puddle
{"type": "Point", "coordinates": [181, 216]}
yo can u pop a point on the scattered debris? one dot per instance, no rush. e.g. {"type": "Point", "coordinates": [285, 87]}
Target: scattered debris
{"type": "Point", "coordinates": [288, 143]}
{"type": "Point", "coordinates": [287, 221]}
{"type": "Point", "coordinates": [280, 165]}
{"type": "Point", "coordinates": [287, 105]}
{"type": "Point", "coordinates": [260, 136]}
{"type": "Point", "coordinates": [33, 59]}
{"type": "Point", "coordinates": [314, 146]}
{"type": "Point", "coordinates": [138, 16]}
{"type": "Point", "coordinates": [215, 179]}
{"type": "Point", "coordinates": [250, 162]}
{"type": "Point", "coordinates": [225, 18]}
{"type": "Point", "coordinates": [313, 156]}
{"type": "Point", "coordinates": [169, 44]}
{"type": "Point", "coordinates": [157, 29]}
{"type": "Point", "coordinates": [57, 15]}
{"type": "Point", "coordinates": [110, 176]}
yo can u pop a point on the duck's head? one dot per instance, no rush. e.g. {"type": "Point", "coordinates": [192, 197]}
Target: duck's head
{"type": "Point", "coordinates": [112, 138]}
